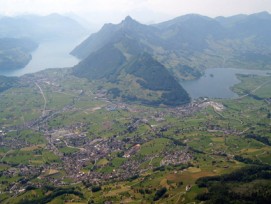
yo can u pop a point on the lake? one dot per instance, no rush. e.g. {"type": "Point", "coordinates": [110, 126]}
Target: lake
{"type": "Point", "coordinates": [216, 82]}
{"type": "Point", "coordinates": [50, 54]}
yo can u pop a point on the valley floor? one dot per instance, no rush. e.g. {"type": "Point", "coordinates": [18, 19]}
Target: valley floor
{"type": "Point", "coordinates": [62, 140]}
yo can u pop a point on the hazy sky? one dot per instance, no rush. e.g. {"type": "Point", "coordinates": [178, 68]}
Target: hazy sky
{"type": "Point", "coordinates": [147, 11]}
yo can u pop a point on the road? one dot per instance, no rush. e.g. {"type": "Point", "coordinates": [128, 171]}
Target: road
{"type": "Point", "coordinates": [44, 98]}
{"type": "Point", "coordinates": [254, 90]}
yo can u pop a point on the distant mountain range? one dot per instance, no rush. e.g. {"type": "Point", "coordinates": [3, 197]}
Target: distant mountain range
{"type": "Point", "coordinates": [153, 56]}
{"type": "Point", "coordinates": [192, 40]}
{"type": "Point", "coordinates": [40, 28]}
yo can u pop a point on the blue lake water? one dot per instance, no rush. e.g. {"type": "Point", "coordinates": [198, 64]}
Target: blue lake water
{"type": "Point", "coordinates": [50, 54]}
{"type": "Point", "coordinates": [216, 83]}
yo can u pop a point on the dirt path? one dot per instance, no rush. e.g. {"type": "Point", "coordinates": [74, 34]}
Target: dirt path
{"type": "Point", "coordinates": [5, 155]}
{"type": "Point", "coordinates": [44, 98]}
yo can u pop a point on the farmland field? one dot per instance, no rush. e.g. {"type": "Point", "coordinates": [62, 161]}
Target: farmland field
{"type": "Point", "coordinates": [87, 147]}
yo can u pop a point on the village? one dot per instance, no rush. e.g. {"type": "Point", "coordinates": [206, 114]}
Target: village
{"type": "Point", "coordinates": [81, 164]}
{"type": "Point", "coordinates": [89, 152]}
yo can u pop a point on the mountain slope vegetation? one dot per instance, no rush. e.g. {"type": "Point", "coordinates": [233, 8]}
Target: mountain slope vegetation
{"type": "Point", "coordinates": [149, 55]}
{"type": "Point", "coordinates": [141, 79]}
{"type": "Point", "coordinates": [188, 44]}
{"type": "Point", "coordinates": [15, 53]}
{"type": "Point", "coordinates": [122, 59]}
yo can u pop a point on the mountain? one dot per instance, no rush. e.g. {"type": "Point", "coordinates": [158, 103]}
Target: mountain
{"type": "Point", "coordinates": [134, 38]}
{"type": "Point", "coordinates": [137, 79]}
{"type": "Point", "coordinates": [15, 53]}
{"type": "Point", "coordinates": [118, 54]}
{"type": "Point", "coordinates": [184, 46]}
{"type": "Point", "coordinates": [200, 42]}
{"type": "Point", "coordinates": [249, 38]}
{"type": "Point", "coordinates": [257, 25]}
{"type": "Point", "coordinates": [190, 32]}
{"type": "Point", "coordinates": [152, 75]}
{"type": "Point", "coordinates": [40, 28]}
{"type": "Point", "coordinates": [110, 33]}
{"type": "Point", "coordinates": [188, 44]}
{"type": "Point", "coordinates": [101, 64]}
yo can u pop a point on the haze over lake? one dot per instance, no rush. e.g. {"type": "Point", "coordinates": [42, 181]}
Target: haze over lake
{"type": "Point", "coordinates": [49, 54]}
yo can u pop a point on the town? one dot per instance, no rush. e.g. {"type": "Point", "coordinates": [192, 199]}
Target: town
{"type": "Point", "coordinates": [87, 151]}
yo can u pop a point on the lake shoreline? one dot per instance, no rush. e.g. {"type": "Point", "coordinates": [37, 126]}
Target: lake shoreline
{"type": "Point", "coordinates": [49, 54]}
{"type": "Point", "coordinates": [217, 82]}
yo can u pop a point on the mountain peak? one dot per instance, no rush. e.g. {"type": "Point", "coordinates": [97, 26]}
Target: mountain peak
{"type": "Point", "coordinates": [129, 21]}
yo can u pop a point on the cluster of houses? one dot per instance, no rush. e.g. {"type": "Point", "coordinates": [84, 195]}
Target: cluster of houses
{"type": "Point", "coordinates": [82, 164]}
{"type": "Point", "coordinates": [176, 158]}
{"type": "Point", "coordinates": [88, 153]}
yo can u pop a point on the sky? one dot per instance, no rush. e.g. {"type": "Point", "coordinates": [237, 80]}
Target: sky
{"type": "Point", "coordinates": [99, 12]}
